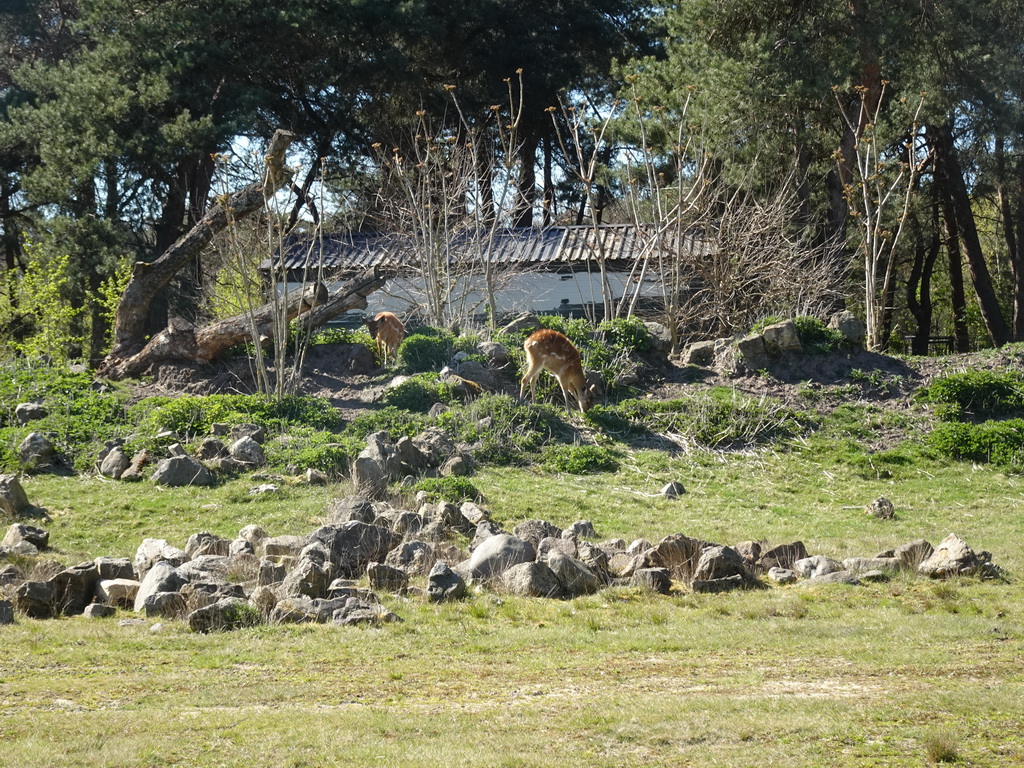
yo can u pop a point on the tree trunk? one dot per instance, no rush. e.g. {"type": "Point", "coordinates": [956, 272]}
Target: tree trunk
{"type": "Point", "coordinates": [527, 181]}
{"type": "Point", "coordinates": [181, 341]}
{"type": "Point", "coordinates": [951, 178]}
{"type": "Point", "coordinates": [1013, 228]}
{"type": "Point", "coordinates": [919, 284]}
{"type": "Point", "coordinates": [149, 280]}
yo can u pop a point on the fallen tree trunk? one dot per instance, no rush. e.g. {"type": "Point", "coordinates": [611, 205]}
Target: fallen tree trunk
{"type": "Point", "coordinates": [182, 342]}
{"type": "Point", "coordinates": [150, 278]}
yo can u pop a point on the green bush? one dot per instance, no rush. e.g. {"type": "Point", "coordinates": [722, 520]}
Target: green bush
{"type": "Point", "coordinates": [419, 393]}
{"type": "Point", "coordinates": [428, 349]}
{"type": "Point", "coordinates": [579, 459]}
{"type": "Point", "coordinates": [996, 442]}
{"type": "Point", "coordinates": [626, 333]}
{"type": "Point", "coordinates": [396, 422]}
{"type": "Point", "coordinates": [981, 394]}
{"type": "Point", "coordinates": [816, 337]}
{"type": "Point", "coordinates": [307, 448]}
{"type": "Point", "coordinates": [453, 489]}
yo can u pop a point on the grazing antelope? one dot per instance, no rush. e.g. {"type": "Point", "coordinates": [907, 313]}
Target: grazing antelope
{"type": "Point", "coordinates": [551, 350]}
{"type": "Point", "coordinates": [388, 332]}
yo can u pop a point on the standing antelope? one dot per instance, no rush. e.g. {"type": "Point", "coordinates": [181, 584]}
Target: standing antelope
{"type": "Point", "coordinates": [551, 350]}
{"type": "Point", "coordinates": [388, 332]}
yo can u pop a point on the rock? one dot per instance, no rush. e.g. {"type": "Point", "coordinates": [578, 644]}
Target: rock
{"type": "Point", "coordinates": [240, 547]}
{"type": "Point", "coordinates": [114, 568]}
{"type": "Point", "coordinates": [781, 575]}
{"type": "Point", "coordinates": [485, 530]}
{"type": "Point", "coordinates": [535, 530]}
{"type": "Point", "coordinates": [253, 534]}
{"type": "Point", "coordinates": [700, 353]}
{"type": "Point", "coordinates": [36, 450]}
{"type": "Point", "coordinates": [673, 490]}
{"type": "Point", "coordinates": [654, 579]}
{"type": "Point", "coordinates": [720, 563]}
{"type": "Point", "coordinates": [20, 532]}
{"type": "Point", "coordinates": [21, 549]}
{"type": "Point", "coordinates": [783, 337]}
{"type": "Point", "coordinates": [582, 529]}
{"type": "Point", "coordinates": [74, 588]}
{"type": "Point", "coordinates": [457, 466]}
{"type": "Point", "coordinates": [35, 599]}
{"type": "Point", "coordinates": [134, 471]}
{"type": "Point", "coordinates": [247, 451]}
{"type": "Point", "coordinates": [573, 575]}
{"type": "Point", "coordinates": [849, 325]}
{"type": "Point", "coordinates": [875, 575]}
{"type": "Point", "coordinates": [176, 450]}
{"type": "Point", "coordinates": [532, 580]}
{"type": "Point", "coordinates": [26, 412]}
{"type": "Point", "coordinates": [750, 551]}
{"type": "Point", "coordinates": [912, 554]}
{"type": "Point", "coordinates": [354, 545]}
{"type": "Point", "coordinates": [283, 546]}
{"type": "Point", "coordinates": [836, 577]}
{"type": "Point", "coordinates": [98, 611]}
{"type": "Point", "coordinates": [152, 551]}
{"type": "Point", "coordinates": [416, 558]}
{"type": "Point", "coordinates": [294, 610]}
{"type": "Point", "coordinates": [162, 577]}
{"type": "Point", "coordinates": [205, 568]}
{"type": "Point", "coordinates": [450, 516]}
{"type": "Point", "coordinates": [549, 545]}
{"type": "Point", "coordinates": [308, 577]}
{"type": "Point", "coordinates": [861, 565]}
{"type": "Point", "coordinates": [473, 513]}
{"type": "Point", "coordinates": [444, 584]}
{"type": "Point", "coordinates": [206, 543]}
{"type": "Point", "coordinates": [816, 566]}
{"type": "Point", "coordinates": [6, 612]}
{"type": "Point", "coordinates": [180, 471]}
{"type": "Point", "coordinates": [953, 557]}
{"type": "Point", "coordinates": [263, 599]}
{"type": "Point", "coordinates": [253, 431]}
{"type": "Point", "coordinates": [13, 500]}
{"type": "Point", "coordinates": [386, 578]}
{"type": "Point", "coordinates": [10, 574]}
{"type": "Point", "coordinates": [212, 448]}
{"type": "Point", "coordinates": [117, 592]}
{"type": "Point", "coordinates": [496, 555]}
{"type": "Point", "coordinates": [270, 573]}
{"type": "Point", "coordinates": [638, 546]}
{"type": "Point", "coordinates": [225, 614]}
{"type": "Point", "coordinates": [660, 336]}
{"type": "Point", "coordinates": [496, 354]}
{"type": "Point", "coordinates": [753, 352]}
{"type": "Point", "coordinates": [678, 553]}
{"type": "Point", "coordinates": [369, 476]}
{"type": "Point", "coordinates": [723, 584]}
{"type": "Point", "coordinates": [881, 508]}
{"type": "Point", "coordinates": [164, 605]}
{"type": "Point", "coordinates": [435, 445]}
{"type": "Point", "coordinates": [315, 476]}
{"type": "Point", "coordinates": [355, 611]}
{"type": "Point", "coordinates": [350, 508]}
{"type": "Point", "coordinates": [782, 556]}
{"type": "Point", "coordinates": [115, 463]}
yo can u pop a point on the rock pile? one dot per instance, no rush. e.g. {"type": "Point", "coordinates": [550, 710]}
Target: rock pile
{"type": "Point", "coordinates": [214, 583]}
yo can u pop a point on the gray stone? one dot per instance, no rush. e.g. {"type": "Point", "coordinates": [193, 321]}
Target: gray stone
{"type": "Point", "coordinates": [253, 431]}
{"type": "Point", "coordinates": [225, 614]}
{"type": "Point", "coordinates": [953, 557]}
{"type": "Point", "coordinates": [350, 508]}
{"type": "Point", "coordinates": [783, 337]}
{"type": "Point", "coordinates": [881, 508]}
{"type": "Point", "coordinates": [6, 612]}
{"type": "Point", "coordinates": [574, 576]}
{"type": "Point", "coordinates": [496, 555]}
{"type": "Point", "coordinates": [816, 566]}
{"type": "Point", "coordinates": [294, 610]}
{"type": "Point", "coordinates": [9, 574]}
{"type": "Point", "coordinates": [205, 568]}
{"type": "Point", "coordinates": [36, 450]}
{"type": "Point", "coordinates": [660, 336]}
{"type": "Point", "coordinates": [74, 588]}
{"type": "Point", "coordinates": [525, 321]}
{"type": "Point", "coordinates": [678, 553]}
{"type": "Point", "coordinates": [206, 543]}
{"type": "Point", "coordinates": [750, 551]}
{"type": "Point", "coordinates": [247, 451]}
{"type": "Point", "coordinates": [253, 534]}
{"type": "Point", "coordinates": [435, 445]}
{"type": "Point", "coordinates": [369, 477]}
{"type": "Point", "coordinates": [723, 584]}
{"type": "Point", "coordinates": [115, 463]}
{"type": "Point", "coordinates": [474, 514]}
{"type": "Point", "coordinates": [836, 577]}
{"type": "Point", "coordinates": [861, 565]}
{"type": "Point", "coordinates": [673, 490]}
{"type": "Point", "coordinates": [163, 605]}
{"type": "Point", "coordinates": [356, 611]}
{"type": "Point", "coordinates": [496, 354]}
{"type": "Point", "coordinates": [532, 580]}
{"type": "Point", "coordinates": [35, 599]}
{"type": "Point", "coordinates": [582, 529]}
{"type": "Point", "coordinates": [162, 577]}
{"type": "Point", "coordinates": [212, 448]}
{"type": "Point", "coordinates": [98, 611]}
{"type": "Point", "coordinates": [180, 471]}
{"type": "Point", "coordinates": [307, 577]}
{"type": "Point", "coordinates": [283, 546]}
{"type": "Point", "coordinates": [849, 326]}
{"type": "Point", "coordinates": [26, 412]}
{"type": "Point", "coordinates": [270, 573]}
{"type": "Point", "coordinates": [134, 471]}
{"type": "Point", "coordinates": [114, 568]}
{"type": "Point", "coordinates": [720, 563]}
{"type": "Point", "coordinates": [653, 579]}
{"type": "Point", "coordinates": [753, 352]}
{"type": "Point", "coordinates": [457, 466]}
{"type": "Point", "coordinates": [386, 578]}
{"type": "Point", "coordinates": [485, 530]}
{"type": "Point", "coordinates": [782, 556]}
{"type": "Point", "coordinates": [152, 551]}
{"type": "Point", "coordinates": [263, 599]}
{"type": "Point", "coordinates": [913, 553]}
{"type": "Point", "coordinates": [534, 531]}
{"type": "Point", "coordinates": [13, 500]}
{"type": "Point", "coordinates": [444, 584]}
{"type": "Point", "coordinates": [240, 547]}
{"type": "Point", "coordinates": [700, 353]}
{"type": "Point", "coordinates": [19, 532]}
{"type": "Point", "coordinates": [781, 575]}
{"type": "Point", "coordinates": [117, 592]}
{"type": "Point", "coordinates": [416, 558]}
{"type": "Point", "coordinates": [354, 545]}
{"type": "Point", "coordinates": [549, 545]}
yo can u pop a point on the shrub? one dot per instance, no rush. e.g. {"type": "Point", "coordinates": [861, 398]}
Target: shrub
{"type": "Point", "coordinates": [397, 423]}
{"type": "Point", "coordinates": [428, 349]}
{"type": "Point", "coordinates": [579, 459]}
{"type": "Point", "coordinates": [191, 416]}
{"type": "Point", "coordinates": [998, 442]}
{"type": "Point", "coordinates": [453, 489]}
{"type": "Point", "coordinates": [816, 337]}
{"type": "Point", "coordinates": [419, 393]}
{"type": "Point", "coordinates": [982, 394]}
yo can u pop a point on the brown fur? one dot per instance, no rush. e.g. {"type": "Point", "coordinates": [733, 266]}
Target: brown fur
{"type": "Point", "coordinates": [551, 351]}
{"type": "Point", "coordinates": [388, 331]}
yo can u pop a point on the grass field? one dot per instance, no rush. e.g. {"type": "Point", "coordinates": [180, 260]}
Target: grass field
{"type": "Point", "coordinates": [903, 673]}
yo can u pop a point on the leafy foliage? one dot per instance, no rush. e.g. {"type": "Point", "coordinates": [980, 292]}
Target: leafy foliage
{"type": "Point", "coordinates": [419, 393]}
{"type": "Point", "coordinates": [190, 416]}
{"type": "Point", "coordinates": [998, 442]}
{"type": "Point", "coordinates": [453, 489]}
{"type": "Point", "coordinates": [579, 459]}
{"type": "Point", "coordinates": [427, 349]}
{"type": "Point", "coordinates": [816, 337]}
{"type": "Point", "coordinates": [981, 394]}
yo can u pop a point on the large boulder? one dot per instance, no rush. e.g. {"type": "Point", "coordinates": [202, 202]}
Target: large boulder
{"type": "Point", "coordinates": [913, 553]}
{"type": "Point", "coordinates": [115, 463]}
{"type": "Point", "coordinates": [308, 577]}
{"type": "Point", "coordinates": [817, 566]}
{"type": "Point", "coordinates": [117, 592]}
{"type": "Point", "coordinates": [654, 579]}
{"type": "Point", "coordinates": [162, 577]}
{"type": "Point", "coordinates": [6, 612]}
{"type": "Point", "coordinates": [720, 563]}
{"type": "Point", "coordinates": [36, 450]}
{"type": "Point", "coordinates": [953, 557]}
{"type": "Point", "coordinates": [753, 352]}
{"type": "Point", "coordinates": [206, 543]}
{"type": "Point", "coordinates": [781, 556]}
{"type": "Point", "coordinates": [26, 412]}
{"type": "Point", "coordinates": [74, 588]}
{"type": "Point", "coordinates": [783, 337]}
{"type": "Point", "coordinates": [416, 558]}
{"type": "Point", "coordinates": [153, 551]}
{"type": "Point", "coordinates": [386, 578]}
{"type": "Point", "coordinates": [247, 451]}
{"type": "Point", "coordinates": [852, 328]}
{"type": "Point", "coordinates": [354, 545]}
{"type": "Point", "coordinates": [677, 553]}
{"type": "Point", "coordinates": [180, 471]}
{"type": "Point", "coordinates": [496, 555]}
{"type": "Point", "coordinates": [20, 532]}
{"type": "Point", "coordinates": [225, 614]}
{"type": "Point", "coordinates": [35, 599]}
{"type": "Point", "coordinates": [13, 500]}
{"type": "Point", "coordinates": [574, 576]}
{"type": "Point", "coordinates": [350, 508]}
{"type": "Point", "coordinates": [534, 531]}
{"type": "Point", "coordinates": [532, 580]}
